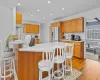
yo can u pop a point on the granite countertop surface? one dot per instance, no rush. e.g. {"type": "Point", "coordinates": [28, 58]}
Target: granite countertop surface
{"type": "Point", "coordinates": [71, 40]}
{"type": "Point", "coordinates": [42, 46]}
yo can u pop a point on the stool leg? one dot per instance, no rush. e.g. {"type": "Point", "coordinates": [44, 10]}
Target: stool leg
{"type": "Point", "coordinates": [40, 75]}
{"type": "Point", "coordinates": [65, 67]}
{"type": "Point", "coordinates": [10, 67]}
{"type": "Point", "coordinates": [71, 64]}
{"type": "Point", "coordinates": [15, 75]}
{"type": "Point", "coordinates": [4, 70]}
{"type": "Point", "coordinates": [49, 75]}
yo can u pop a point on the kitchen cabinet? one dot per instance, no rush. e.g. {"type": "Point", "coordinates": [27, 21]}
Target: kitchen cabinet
{"type": "Point", "coordinates": [74, 25]}
{"type": "Point", "coordinates": [18, 18]}
{"type": "Point", "coordinates": [37, 41]}
{"type": "Point", "coordinates": [31, 28]}
{"type": "Point", "coordinates": [80, 25]}
{"type": "Point", "coordinates": [78, 48]}
{"type": "Point", "coordinates": [36, 29]}
{"type": "Point", "coordinates": [55, 24]}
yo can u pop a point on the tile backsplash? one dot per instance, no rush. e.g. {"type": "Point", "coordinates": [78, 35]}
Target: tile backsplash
{"type": "Point", "coordinates": [82, 35]}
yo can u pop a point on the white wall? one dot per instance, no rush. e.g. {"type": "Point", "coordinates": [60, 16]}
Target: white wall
{"type": "Point", "coordinates": [44, 33]}
{"type": "Point", "coordinates": [6, 22]}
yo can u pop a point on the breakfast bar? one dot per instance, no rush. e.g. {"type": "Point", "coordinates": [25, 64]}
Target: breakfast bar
{"type": "Point", "coordinates": [27, 59]}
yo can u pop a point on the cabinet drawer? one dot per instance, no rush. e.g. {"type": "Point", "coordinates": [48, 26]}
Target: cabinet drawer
{"type": "Point", "coordinates": [77, 43]}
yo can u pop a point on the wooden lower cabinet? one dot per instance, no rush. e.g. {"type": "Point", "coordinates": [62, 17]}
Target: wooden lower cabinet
{"type": "Point", "coordinates": [37, 41]}
{"type": "Point", "coordinates": [78, 48]}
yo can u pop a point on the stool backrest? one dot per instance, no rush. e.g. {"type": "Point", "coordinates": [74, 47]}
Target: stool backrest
{"type": "Point", "coordinates": [60, 51]}
{"type": "Point", "coordinates": [69, 49]}
{"type": "Point", "coordinates": [27, 40]}
{"type": "Point", "coordinates": [48, 54]}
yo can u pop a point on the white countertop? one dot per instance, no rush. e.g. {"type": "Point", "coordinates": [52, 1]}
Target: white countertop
{"type": "Point", "coordinates": [71, 40]}
{"type": "Point", "coordinates": [17, 42]}
{"type": "Point", "coordinates": [40, 47]}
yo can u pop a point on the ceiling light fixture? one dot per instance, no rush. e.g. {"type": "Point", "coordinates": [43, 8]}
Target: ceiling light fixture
{"type": "Point", "coordinates": [63, 8]}
{"type": "Point", "coordinates": [38, 10]}
{"type": "Point", "coordinates": [18, 4]}
{"type": "Point", "coordinates": [31, 15]}
{"type": "Point", "coordinates": [43, 18]}
{"type": "Point", "coordinates": [49, 2]}
{"type": "Point", "coordinates": [51, 14]}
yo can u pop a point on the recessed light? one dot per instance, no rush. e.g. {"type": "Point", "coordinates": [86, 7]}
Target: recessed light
{"type": "Point", "coordinates": [51, 14]}
{"type": "Point", "coordinates": [31, 15]}
{"type": "Point", "coordinates": [43, 18]}
{"type": "Point", "coordinates": [63, 8]}
{"type": "Point", "coordinates": [49, 1]}
{"type": "Point", "coordinates": [38, 10]}
{"type": "Point", "coordinates": [18, 4]}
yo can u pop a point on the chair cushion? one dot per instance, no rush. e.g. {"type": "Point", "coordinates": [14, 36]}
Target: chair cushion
{"type": "Point", "coordinates": [59, 59]}
{"type": "Point", "coordinates": [8, 54]}
{"type": "Point", "coordinates": [44, 63]}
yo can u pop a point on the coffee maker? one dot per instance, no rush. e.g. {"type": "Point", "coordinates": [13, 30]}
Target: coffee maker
{"type": "Point", "coordinates": [72, 37]}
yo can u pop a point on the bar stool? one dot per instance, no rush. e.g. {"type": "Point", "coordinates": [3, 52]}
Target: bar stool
{"type": "Point", "coordinates": [46, 64]}
{"type": "Point", "coordinates": [68, 57]}
{"type": "Point", "coordinates": [7, 64]}
{"type": "Point", "coordinates": [59, 59]}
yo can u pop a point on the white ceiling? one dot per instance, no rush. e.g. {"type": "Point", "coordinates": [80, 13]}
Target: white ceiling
{"type": "Point", "coordinates": [72, 7]}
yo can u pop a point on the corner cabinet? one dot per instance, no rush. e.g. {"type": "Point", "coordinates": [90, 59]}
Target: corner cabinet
{"type": "Point", "coordinates": [18, 18]}
{"type": "Point", "coordinates": [31, 28]}
{"type": "Point", "coordinates": [74, 25]}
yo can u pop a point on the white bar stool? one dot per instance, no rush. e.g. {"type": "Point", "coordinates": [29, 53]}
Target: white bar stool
{"type": "Point", "coordinates": [59, 59]}
{"type": "Point", "coordinates": [68, 57]}
{"type": "Point", "coordinates": [46, 64]}
{"type": "Point", "coordinates": [7, 64]}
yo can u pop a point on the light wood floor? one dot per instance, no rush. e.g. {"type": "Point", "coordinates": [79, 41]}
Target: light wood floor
{"type": "Point", "coordinates": [90, 69]}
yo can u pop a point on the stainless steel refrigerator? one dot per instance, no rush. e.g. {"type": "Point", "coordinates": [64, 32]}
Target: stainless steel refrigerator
{"type": "Point", "coordinates": [55, 34]}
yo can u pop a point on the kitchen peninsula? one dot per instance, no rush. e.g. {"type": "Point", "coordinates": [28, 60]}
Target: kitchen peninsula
{"type": "Point", "coordinates": [27, 59]}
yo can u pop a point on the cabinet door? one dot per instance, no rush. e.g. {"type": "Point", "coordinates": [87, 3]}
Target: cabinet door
{"type": "Point", "coordinates": [18, 18]}
{"type": "Point", "coordinates": [32, 28]}
{"type": "Point", "coordinates": [62, 27]}
{"type": "Point", "coordinates": [37, 41]}
{"type": "Point", "coordinates": [73, 25]}
{"type": "Point", "coordinates": [80, 25]}
{"type": "Point", "coordinates": [58, 24]}
{"type": "Point", "coordinates": [77, 51]}
{"type": "Point", "coordinates": [26, 28]}
{"type": "Point", "coordinates": [36, 29]}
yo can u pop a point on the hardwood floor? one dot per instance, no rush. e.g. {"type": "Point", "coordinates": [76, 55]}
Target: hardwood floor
{"type": "Point", "coordinates": [90, 69]}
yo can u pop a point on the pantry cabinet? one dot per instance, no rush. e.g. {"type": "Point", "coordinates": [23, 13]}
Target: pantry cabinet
{"type": "Point", "coordinates": [18, 18]}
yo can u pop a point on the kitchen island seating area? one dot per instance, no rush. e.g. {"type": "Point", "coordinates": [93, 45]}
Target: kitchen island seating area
{"type": "Point", "coordinates": [7, 63]}
{"type": "Point", "coordinates": [58, 55]}
{"type": "Point", "coordinates": [29, 60]}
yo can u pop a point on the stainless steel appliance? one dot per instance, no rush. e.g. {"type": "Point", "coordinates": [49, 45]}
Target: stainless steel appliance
{"type": "Point", "coordinates": [72, 37]}
{"type": "Point", "coordinates": [77, 38]}
{"type": "Point", "coordinates": [55, 34]}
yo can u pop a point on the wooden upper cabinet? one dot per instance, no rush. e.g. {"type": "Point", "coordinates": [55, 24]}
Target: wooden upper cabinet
{"type": "Point", "coordinates": [74, 25]}
{"type": "Point", "coordinates": [27, 28]}
{"type": "Point", "coordinates": [36, 29]}
{"type": "Point", "coordinates": [80, 24]}
{"type": "Point", "coordinates": [18, 18]}
{"type": "Point", "coordinates": [56, 24]}
{"type": "Point", "coordinates": [31, 28]}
